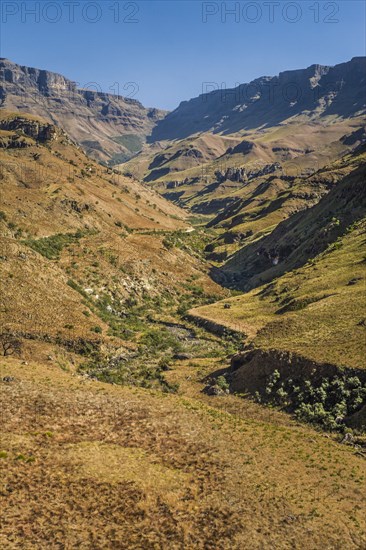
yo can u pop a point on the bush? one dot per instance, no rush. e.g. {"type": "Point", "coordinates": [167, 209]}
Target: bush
{"type": "Point", "coordinates": [326, 402]}
{"type": "Point", "coordinates": [51, 247]}
{"type": "Point", "coordinates": [10, 344]}
{"type": "Point", "coordinates": [222, 383]}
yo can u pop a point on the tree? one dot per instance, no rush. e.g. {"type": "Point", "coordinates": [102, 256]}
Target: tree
{"type": "Point", "coordinates": [9, 344]}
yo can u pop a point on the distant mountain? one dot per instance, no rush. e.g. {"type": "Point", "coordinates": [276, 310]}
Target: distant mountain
{"type": "Point", "coordinates": [110, 128]}
{"type": "Point", "coordinates": [257, 157]}
{"type": "Point", "coordinates": [314, 92]}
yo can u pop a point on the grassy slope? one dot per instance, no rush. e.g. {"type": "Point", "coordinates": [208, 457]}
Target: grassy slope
{"type": "Point", "coordinates": [253, 209]}
{"type": "Point", "coordinates": [131, 468]}
{"type": "Point", "coordinates": [78, 240]}
{"type": "Point", "coordinates": [316, 311]}
{"type": "Point", "coordinates": [308, 231]}
{"type": "Point", "coordinates": [292, 139]}
{"type": "Point", "coordinates": [127, 467]}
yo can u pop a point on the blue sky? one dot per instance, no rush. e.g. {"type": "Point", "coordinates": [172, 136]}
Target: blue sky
{"type": "Point", "coordinates": [161, 52]}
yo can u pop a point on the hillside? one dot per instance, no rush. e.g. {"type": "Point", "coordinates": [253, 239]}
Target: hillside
{"type": "Point", "coordinates": [312, 93]}
{"type": "Point", "coordinates": [165, 470]}
{"type": "Point", "coordinates": [177, 378]}
{"type": "Point", "coordinates": [246, 154]}
{"type": "Point", "coordinates": [109, 127]}
{"type": "Point", "coordinates": [316, 310]}
{"type": "Point", "coordinates": [305, 330]}
{"type": "Point", "coordinates": [296, 223]}
{"type": "Point", "coordinates": [84, 250]}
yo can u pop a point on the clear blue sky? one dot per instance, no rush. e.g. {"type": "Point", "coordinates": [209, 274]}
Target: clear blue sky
{"type": "Point", "coordinates": [169, 48]}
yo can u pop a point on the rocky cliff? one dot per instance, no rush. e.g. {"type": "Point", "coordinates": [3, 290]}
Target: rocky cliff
{"type": "Point", "coordinates": [314, 92]}
{"type": "Point", "coordinates": [108, 127]}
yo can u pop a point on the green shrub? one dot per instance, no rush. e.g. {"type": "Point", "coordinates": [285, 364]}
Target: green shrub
{"type": "Point", "coordinates": [51, 247]}
{"type": "Point", "coordinates": [326, 401]}
{"type": "Point", "coordinates": [222, 383]}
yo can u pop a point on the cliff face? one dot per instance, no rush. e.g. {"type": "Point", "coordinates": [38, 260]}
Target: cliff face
{"type": "Point", "coordinates": [108, 127]}
{"type": "Point", "coordinates": [314, 92]}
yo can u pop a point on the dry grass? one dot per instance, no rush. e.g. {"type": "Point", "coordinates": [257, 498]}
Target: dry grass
{"type": "Point", "coordinates": [316, 311]}
{"type": "Point", "coordinates": [89, 465]}
{"type": "Point", "coordinates": [95, 466]}
{"type": "Point", "coordinates": [55, 190]}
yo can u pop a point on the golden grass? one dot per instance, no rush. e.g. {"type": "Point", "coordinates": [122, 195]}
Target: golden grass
{"type": "Point", "coordinates": [91, 465]}
{"type": "Point", "coordinates": [55, 189]}
{"type": "Point", "coordinates": [325, 321]}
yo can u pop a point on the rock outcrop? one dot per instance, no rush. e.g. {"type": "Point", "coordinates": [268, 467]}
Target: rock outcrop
{"type": "Point", "coordinates": [242, 175]}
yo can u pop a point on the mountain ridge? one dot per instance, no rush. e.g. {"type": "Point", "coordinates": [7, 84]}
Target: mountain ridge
{"type": "Point", "coordinates": [107, 126]}
{"type": "Point", "coordinates": [181, 123]}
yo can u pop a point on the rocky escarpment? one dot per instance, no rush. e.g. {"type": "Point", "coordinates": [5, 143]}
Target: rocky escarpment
{"type": "Point", "coordinates": [313, 92]}
{"type": "Point", "coordinates": [15, 131]}
{"type": "Point", "coordinates": [251, 369]}
{"type": "Point", "coordinates": [318, 392]}
{"type": "Point", "coordinates": [31, 128]}
{"type": "Point", "coordinates": [105, 125]}
{"type": "Point", "coordinates": [242, 175]}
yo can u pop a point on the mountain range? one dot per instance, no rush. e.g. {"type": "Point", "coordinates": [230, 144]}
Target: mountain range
{"type": "Point", "coordinates": [315, 92]}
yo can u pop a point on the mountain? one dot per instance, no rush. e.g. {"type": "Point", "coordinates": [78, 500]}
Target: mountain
{"type": "Point", "coordinates": [309, 229]}
{"type": "Point", "coordinates": [101, 375]}
{"type": "Point", "coordinates": [316, 92]}
{"type": "Point", "coordinates": [214, 151]}
{"type": "Point", "coordinates": [134, 371]}
{"type": "Point", "coordinates": [108, 127]}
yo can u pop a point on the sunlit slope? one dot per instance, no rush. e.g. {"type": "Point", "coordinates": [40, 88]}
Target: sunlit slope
{"type": "Point", "coordinates": [257, 183]}
{"type": "Point", "coordinates": [317, 311]}
{"type": "Point", "coordinates": [335, 197]}
{"type": "Point", "coordinates": [109, 127]}
{"type": "Point", "coordinates": [75, 234]}
{"type": "Point", "coordinates": [164, 471]}
{"type": "Point", "coordinates": [310, 93]}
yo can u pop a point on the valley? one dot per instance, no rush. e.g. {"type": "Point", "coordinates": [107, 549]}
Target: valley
{"type": "Point", "coordinates": [183, 333]}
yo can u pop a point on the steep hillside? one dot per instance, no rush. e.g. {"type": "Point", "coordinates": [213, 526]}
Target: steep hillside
{"type": "Point", "coordinates": [84, 250]}
{"type": "Point", "coordinates": [307, 231]}
{"type": "Point", "coordinates": [317, 310]}
{"type": "Point", "coordinates": [208, 173]}
{"type": "Point", "coordinates": [312, 93]}
{"type": "Point", "coordinates": [243, 152]}
{"type": "Point", "coordinates": [109, 127]}
{"type": "Point", "coordinates": [305, 336]}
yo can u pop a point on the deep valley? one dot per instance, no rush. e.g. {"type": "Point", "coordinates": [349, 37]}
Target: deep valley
{"type": "Point", "coordinates": [183, 316]}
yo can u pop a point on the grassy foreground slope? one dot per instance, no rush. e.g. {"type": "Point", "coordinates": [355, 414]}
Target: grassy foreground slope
{"type": "Point", "coordinates": [91, 465]}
